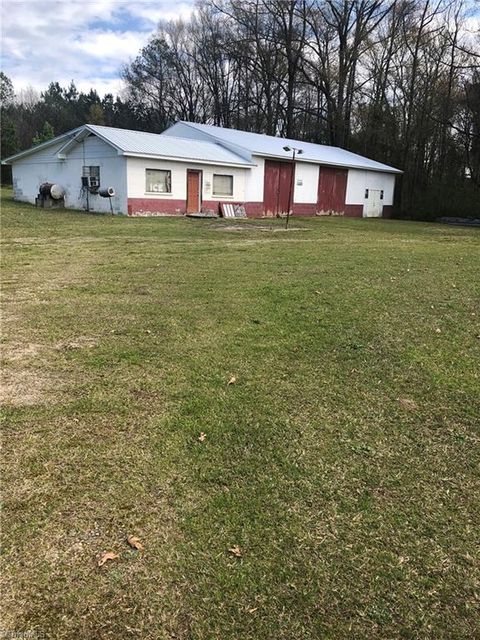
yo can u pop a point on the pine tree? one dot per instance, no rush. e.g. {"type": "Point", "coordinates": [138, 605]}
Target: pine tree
{"type": "Point", "coordinates": [47, 133]}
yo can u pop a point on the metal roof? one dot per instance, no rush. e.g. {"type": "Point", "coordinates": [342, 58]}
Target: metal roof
{"type": "Point", "coordinates": [213, 150]}
{"type": "Point", "coordinates": [143, 144]}
{"type": "Point", "coordinates": [270, 146]}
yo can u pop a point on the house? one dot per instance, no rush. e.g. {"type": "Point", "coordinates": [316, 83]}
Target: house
{"type": "Point", "coordinates": [193, 168]}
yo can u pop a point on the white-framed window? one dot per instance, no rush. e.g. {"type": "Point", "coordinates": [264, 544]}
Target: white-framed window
{"type": "Point", "coordinates": [158, 181]}
{"type": "Point", "coordinates": [222, 185]}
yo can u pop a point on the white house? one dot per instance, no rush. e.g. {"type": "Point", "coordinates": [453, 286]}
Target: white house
{"type": "Point", "coordinates": [193, 168]}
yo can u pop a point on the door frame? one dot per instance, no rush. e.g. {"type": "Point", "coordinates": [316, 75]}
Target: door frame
{"type": "Point", "coordinates": [199, 172]}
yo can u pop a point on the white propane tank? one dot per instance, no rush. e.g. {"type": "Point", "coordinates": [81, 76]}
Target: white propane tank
{"type": "Point", "coordinates": [56, 191]}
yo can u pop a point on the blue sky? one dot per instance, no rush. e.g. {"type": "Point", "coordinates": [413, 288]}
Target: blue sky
{"type": "Point", "coordinates": [82, 40]}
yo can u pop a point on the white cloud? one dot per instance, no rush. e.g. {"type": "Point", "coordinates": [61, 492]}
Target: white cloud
{"type": "Point", "coordinates": [82, 40]}
{"type": "Point", "coordinates": [151, 12]}
{"type": "Point", "coordinates": [109, 46]}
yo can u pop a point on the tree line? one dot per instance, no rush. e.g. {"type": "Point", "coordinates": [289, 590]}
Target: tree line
{"type": "Point", "coordinates": [395, 80]}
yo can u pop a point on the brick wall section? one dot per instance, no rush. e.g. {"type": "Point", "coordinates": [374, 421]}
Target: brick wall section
{"type": "Point", "coordinates": [169, 207]}
{"type": "Point", "coordinates": [304, 209]}
{"type": "Point", "coordinates": [211, 206]}
{"type": "Point", "coordinates": [387, 211]}
{"type": "Point", "coordinates": [155, 207]}
{"type": "Point", "coordinates": [254, 209]}
{"type": "Point", "coordinates": [354, 210]}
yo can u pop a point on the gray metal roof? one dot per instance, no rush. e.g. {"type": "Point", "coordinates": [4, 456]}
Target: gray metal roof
{"type": "Point", "coordinates": [270, 146]}
{"type": "Point", "coordinates": [154, 144]}
{"type": "Point", "coordinates": [241, 146]}
{"type": "Point", "coordinates": [141, 143]}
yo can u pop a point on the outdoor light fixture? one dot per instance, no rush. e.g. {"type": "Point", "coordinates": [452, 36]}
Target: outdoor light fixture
{"type": "Point", "coordinates": [294, 151]}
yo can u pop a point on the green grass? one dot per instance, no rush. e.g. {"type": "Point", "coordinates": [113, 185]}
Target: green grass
{"type": "Point", "coordinates": [344, 461]}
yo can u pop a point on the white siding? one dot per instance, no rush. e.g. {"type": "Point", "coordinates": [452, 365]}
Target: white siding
{"type": "Point", "coordinates": [136, 179]}
{"type": "Point", "coordinates": [254, 181]}
{"type": "Point", "coordinates": [359, 181]}
{"type": "Point", "coordinates": [304, 171]}
{"type": "Point", "coordinates": [307, 173]}
{"type": "Point", "coordinates": [30, 172]}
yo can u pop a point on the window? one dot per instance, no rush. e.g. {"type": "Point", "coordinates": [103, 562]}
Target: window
{"type": "Point", "coordinates": [92, 176]}
{"type": "Point", "coordinates": [158, 181]}
{"type": "Point", "coordinates": [222, 185]}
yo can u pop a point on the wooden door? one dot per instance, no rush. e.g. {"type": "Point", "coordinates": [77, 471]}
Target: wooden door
{"type": "Point", "coordinates": [332, 189]}
{"type": "Point", "coordinates": [194, 201]}
{"type": "Point", "coordinates": [277, 186]}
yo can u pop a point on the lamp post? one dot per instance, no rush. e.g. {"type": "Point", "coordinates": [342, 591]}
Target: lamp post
{"type": "Point", "coordinates": [294, 150]}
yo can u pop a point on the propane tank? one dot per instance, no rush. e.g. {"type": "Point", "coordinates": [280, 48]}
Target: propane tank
{"type": "Point", "coordinates": [55, 191]}
{"type": "Point", "coordinates": [109, 192]}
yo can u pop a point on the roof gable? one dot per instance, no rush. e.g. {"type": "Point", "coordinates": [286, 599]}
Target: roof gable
{"type": "Point", "coordinates": [143, 144]}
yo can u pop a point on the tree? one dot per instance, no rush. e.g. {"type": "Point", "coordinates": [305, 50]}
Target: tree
{"type": "Point", "coordinates": [6, 90]}
{"type": "Point", "coordinates": [95, 114]}
{"type": "Point", "coordinates": [46, 134]}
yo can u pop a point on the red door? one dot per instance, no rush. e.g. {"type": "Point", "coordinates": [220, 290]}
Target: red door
{"type": "Point", "coordinates": [332, 189]}
{"type": "Point", "coordinates": [194, 203]}
{"type": "Point", "coordinates": [277, 186]}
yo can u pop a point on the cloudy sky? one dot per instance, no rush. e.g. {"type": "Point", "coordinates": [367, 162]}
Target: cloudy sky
{"type": "Point", "coordinates": [87, 41]}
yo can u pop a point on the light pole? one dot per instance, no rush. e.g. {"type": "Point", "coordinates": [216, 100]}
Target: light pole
{"type": "Point", "coordinates": [294, 150]}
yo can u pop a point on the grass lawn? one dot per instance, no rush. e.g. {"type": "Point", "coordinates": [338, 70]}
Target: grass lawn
{"type": "Point", "coordinates": [343, 462]}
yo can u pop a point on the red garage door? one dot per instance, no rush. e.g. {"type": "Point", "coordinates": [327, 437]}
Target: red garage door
{"type": "Point", "coordinates": [332, 189]}
{"type": "Point", "coordinates": [277, 184]}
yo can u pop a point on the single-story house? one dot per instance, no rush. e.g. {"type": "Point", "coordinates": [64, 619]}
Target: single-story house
{"type": "Point", "coordinates": [193, 168]}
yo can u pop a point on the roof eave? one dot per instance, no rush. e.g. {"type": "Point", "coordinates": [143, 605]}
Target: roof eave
{"type": "Point", "coordinates": [38, 147]}
{"type": "Point", "coordinates": [385, 169]}
{"type": "Point", "coordinates": [159, 156]}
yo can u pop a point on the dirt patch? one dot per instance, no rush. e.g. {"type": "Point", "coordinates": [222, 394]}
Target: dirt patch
{"type": "Point", "coordinates": [26, 387]}
{"type": "Point", "coordinates": [23, 381]}
{"type": "Point", "coordinates": [15, 351]}
{"type": "Point", "coordinates": [81, 342]}
{"type": "Point", "coordinates": [258, 227]}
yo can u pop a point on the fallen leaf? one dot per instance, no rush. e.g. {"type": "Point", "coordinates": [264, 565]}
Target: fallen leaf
{"type": "Point", "coordinates": [202, 437]}
{"type": "Point", "coordinates": [108, 555]}
{"type": "Point", "coordinates": [232, 380]}
{"type": "Point", "coordinates": [236, 551]}
{"type": "Point", "coordinates": [252, 610]}
{"type": "Point", "coordinates": [135, 543]}
{"type": "Point", "coordinates": [437, 330]}
{"type": "Point", "coordinates": [408, 404]}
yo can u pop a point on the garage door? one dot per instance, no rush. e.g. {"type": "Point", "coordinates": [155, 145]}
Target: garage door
{"type": "Point", "coordinates": [332, 189]}
{"type": "Point", "coordinates": [277, 185]}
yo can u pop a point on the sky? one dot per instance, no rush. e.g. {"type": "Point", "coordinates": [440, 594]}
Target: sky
{"type": "Point", "coordinates": [87, 41]}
